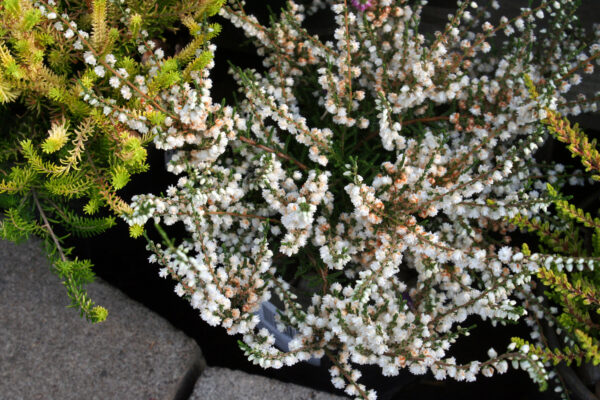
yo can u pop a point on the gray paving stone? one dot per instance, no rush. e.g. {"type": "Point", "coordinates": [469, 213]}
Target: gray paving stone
{"type": "Point", "coordinates": [226, 384]}
{"type": "Point", "coordinates": [48, 352]}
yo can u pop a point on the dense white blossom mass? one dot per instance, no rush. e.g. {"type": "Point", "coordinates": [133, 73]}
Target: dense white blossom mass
{"type": "Point", "coordinates": [381, 162]}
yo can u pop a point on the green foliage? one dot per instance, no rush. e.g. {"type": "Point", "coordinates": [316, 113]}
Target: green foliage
{"type": "Point", "coordinates": [135, 231]}
{"type": "Point", "coordinates": [75, 274]}
{"type": "Point", "coordinates": [578, 143]}
{"type": "Point", "coordinates": [567, 355]}
{"type": "Point", "coordinates": [570, 279]}
{"type": "Point", "coordinates": [569, 211]}
{"type": "Point", "coordinates": [120, 177]}
{"type": "Point", "coordinates": [64, 151]}
{"type": "Point", "coordinates": [83, 226]}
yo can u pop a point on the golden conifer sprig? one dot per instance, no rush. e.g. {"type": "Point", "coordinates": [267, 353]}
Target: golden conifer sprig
{"type": "Point", "coordinates": [70, 153]}
{"type": "Point", "coordinates": [569, 275]}
{"type": "Point", "coordinates": [577, 141]}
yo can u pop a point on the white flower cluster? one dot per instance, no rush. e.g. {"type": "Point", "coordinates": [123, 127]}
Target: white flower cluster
{"type": "Point", "coordinates": [383, 164]}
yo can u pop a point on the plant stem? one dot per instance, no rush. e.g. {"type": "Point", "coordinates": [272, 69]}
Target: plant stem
{"type": "Point", "coordinates": [48, 227]}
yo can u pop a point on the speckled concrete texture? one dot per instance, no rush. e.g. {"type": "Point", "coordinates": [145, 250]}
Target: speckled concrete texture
{"type": "Point", "coordinates": [48, 352]}
{"type": "Point", "coordinates": [226, 384]}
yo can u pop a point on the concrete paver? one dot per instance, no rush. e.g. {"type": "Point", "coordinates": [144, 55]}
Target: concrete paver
{"type": "Point", "coordinates": [48, 352]}
{"type": "Point", "coordinates": [226, 384]}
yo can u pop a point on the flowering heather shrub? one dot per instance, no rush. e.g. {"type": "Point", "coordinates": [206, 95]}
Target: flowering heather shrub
{"type": "Point", "coordinates": [564, 329]}
{"type": "Point", "coordinates": [383, 164]}
{"type": "Point", "coordinates": [72, 76]}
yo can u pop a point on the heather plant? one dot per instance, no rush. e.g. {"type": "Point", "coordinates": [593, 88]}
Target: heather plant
{"type": "Point", "coordinates": [78, 88]}
{"type": "Point", "coordinates": [384, 166]}
{"type": "Point", "coordinates": [564, 321]}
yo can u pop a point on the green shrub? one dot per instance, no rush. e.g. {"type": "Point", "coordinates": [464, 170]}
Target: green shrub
{"type": "Point", "coordinates": [78, 88]}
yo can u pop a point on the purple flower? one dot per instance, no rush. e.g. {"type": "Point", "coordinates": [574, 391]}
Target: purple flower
{"type": "Point", "coordinates": [362, 5]}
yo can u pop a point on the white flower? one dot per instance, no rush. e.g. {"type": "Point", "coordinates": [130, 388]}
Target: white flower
{"type": "Point", "coordinates": [520, 24]}
{"type": "Point", "coordinates": [99, 70]}
{"type": "Point", "coordinates": [114, 82]}
{"type": "Point", "coordinates": [123, 73]}
{"type": "Point", "coordinates": [110, 59]}
{"type": "Point", "coordinates": [89, 58]}
{"type": "Point", "coordinates": [126, 92]}
{"type": "Point", "coordinates": [505, 254]}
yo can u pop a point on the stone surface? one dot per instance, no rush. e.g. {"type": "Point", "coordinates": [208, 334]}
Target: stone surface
{"type": "Point", "coordinates": [48, 352]}
{"type": "Point", "coordinates": [225, 384]}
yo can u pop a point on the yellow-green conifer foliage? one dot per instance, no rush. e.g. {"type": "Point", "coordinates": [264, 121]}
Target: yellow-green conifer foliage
{"type": "Point", "coordinates": [569, 331]}
{"type": "Point", "coordinates": [67, 71]}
